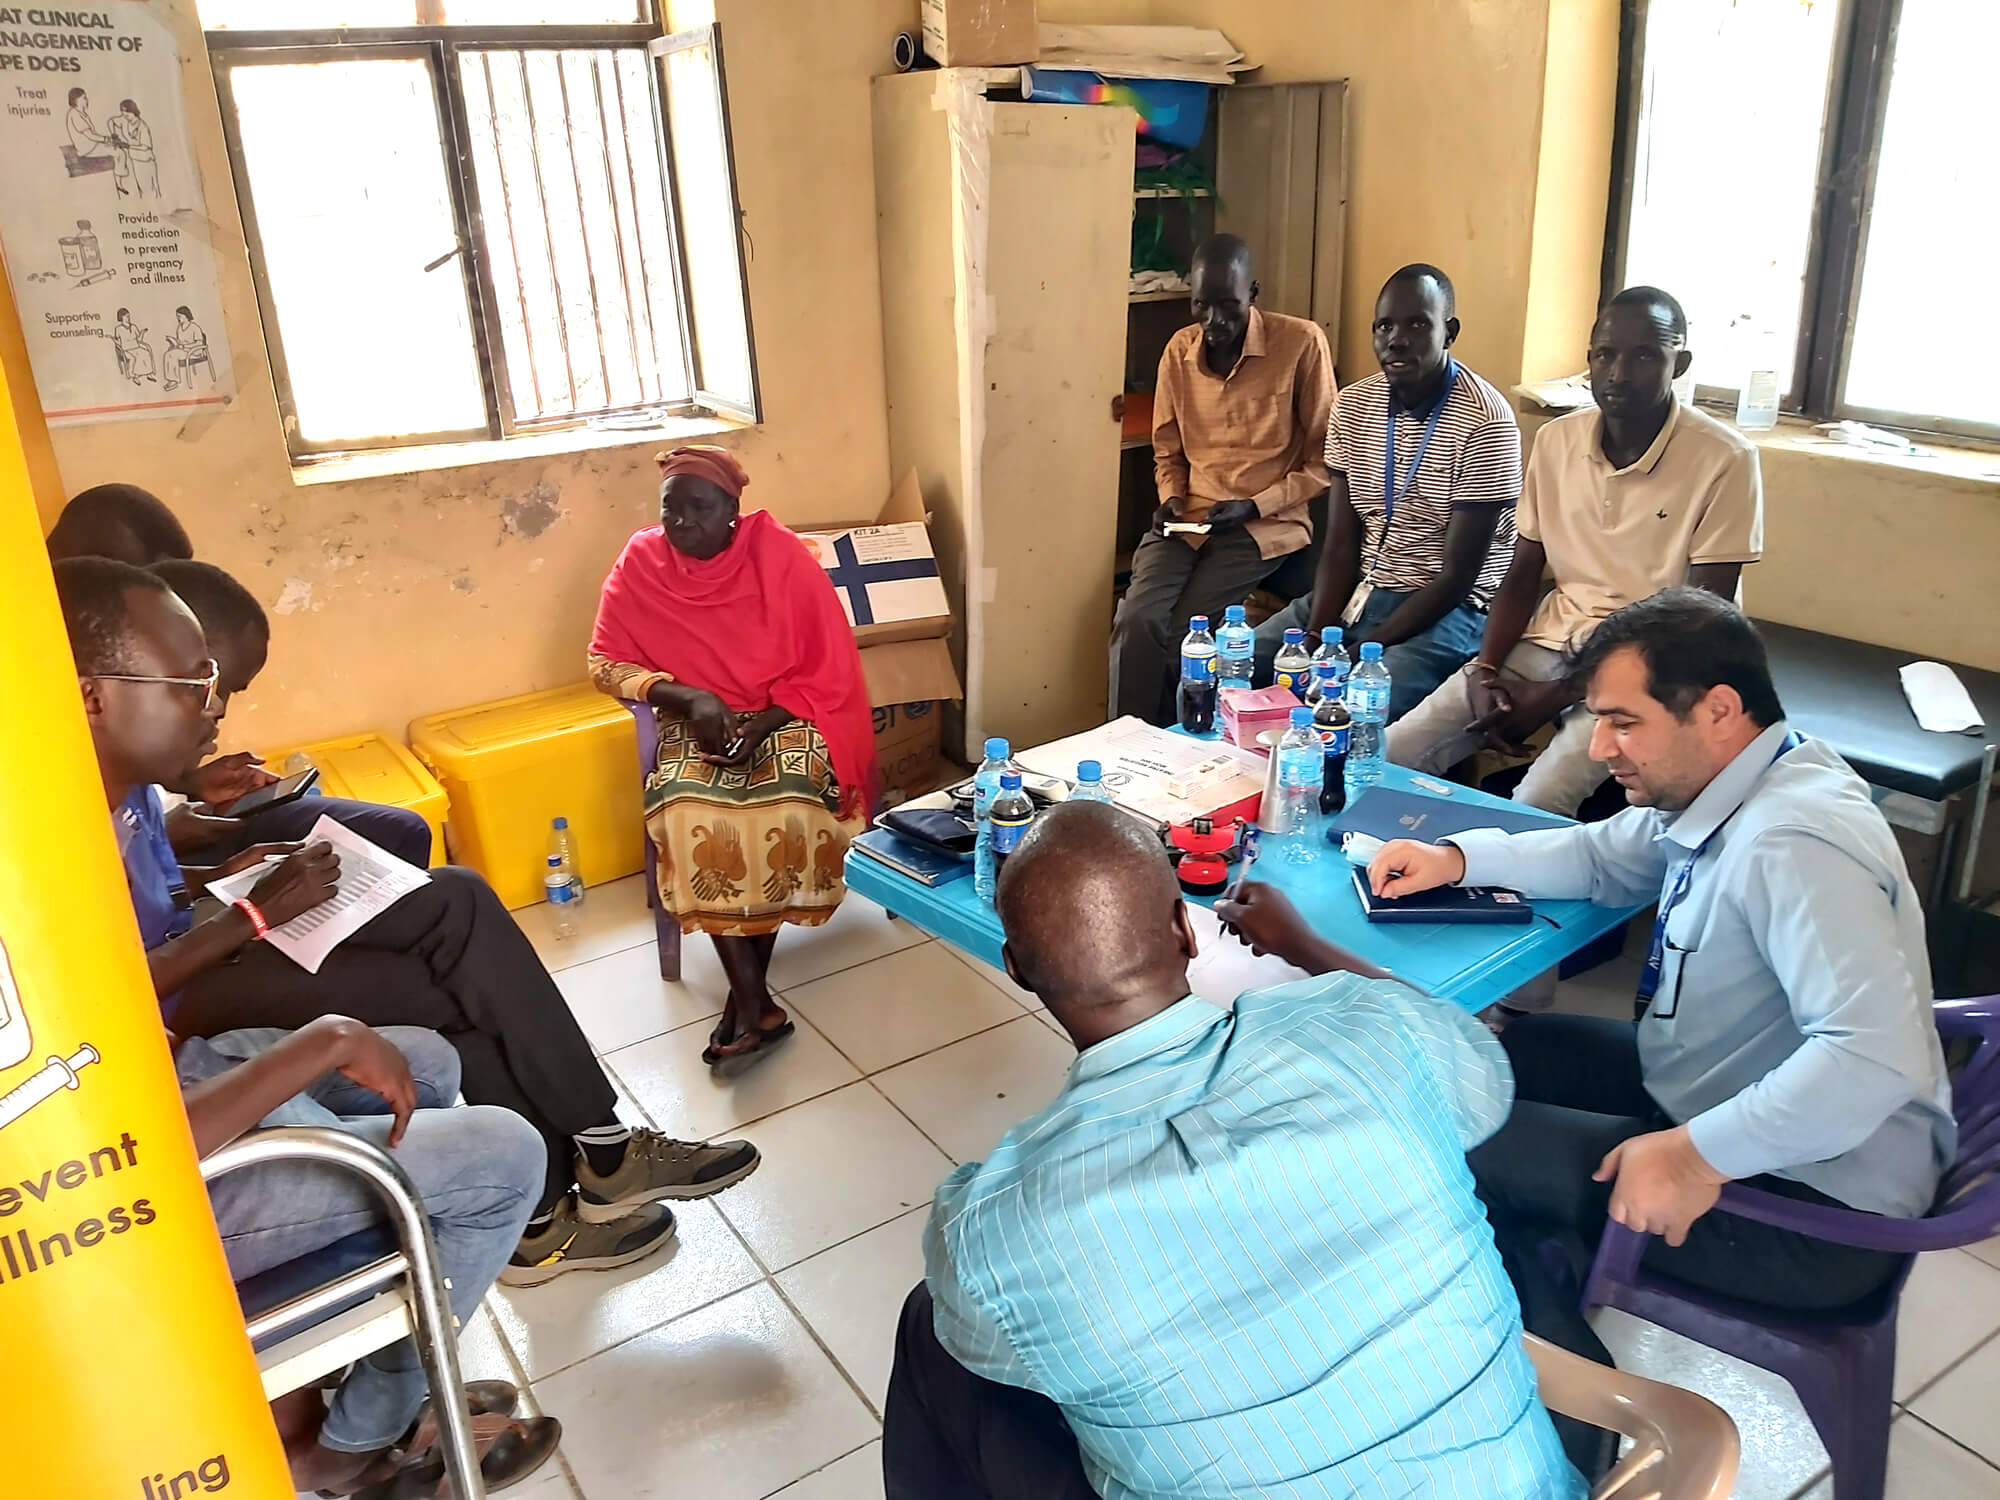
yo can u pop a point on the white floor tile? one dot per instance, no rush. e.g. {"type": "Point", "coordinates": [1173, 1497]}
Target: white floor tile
{"type": "Point", "coordinates": [482, 1355]}
{"type": "Point", "coordinates": [614, 917]}
{"type": "Point", "coordinates": [554, 1325]}
{"type": "Point", "coordinates": [1781, 1452]}
{"type": "Point", "coordinates": [855, 1477]}
{"type": "Point", "coordinates": [966, 1096]}
{"type": "Point", "coordinates": [1027, 999]}
{"type": "Point", "coordinates": [1950, 1305]}
{"type": "Point", "coordinates": [620, 999]}
{"type": "Point", "coordinates": [1961, 1405]}
{"type": "Point", "coordinates": [900, 1006]}
{"type": "Point", "coordinates": [833, 1167]}
{"type": "Point", "coordinates": [858, 931]}
{"type": "Point", "coordinates": [731, 1402]}
{"type": "Point", "coordinates": [547, 1483]}
{"type": "Point", "coordinates": [1987, 1250]}
{"type": "Point", "coordinates": [853, 1294]}
{"type": "Point", "coordinates": [1926, 1465]}
{"type": "Point", "coordinates": [669, 1079]}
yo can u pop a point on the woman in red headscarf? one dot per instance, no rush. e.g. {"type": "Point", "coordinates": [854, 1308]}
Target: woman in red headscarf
{"type": "Point", "coordinates": [730, 629]}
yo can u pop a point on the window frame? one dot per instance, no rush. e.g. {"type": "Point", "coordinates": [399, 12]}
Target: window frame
{"type": "Point", "coordinates": [441, 48]}
{"type": "Point", "coordinates": [1856, 109]}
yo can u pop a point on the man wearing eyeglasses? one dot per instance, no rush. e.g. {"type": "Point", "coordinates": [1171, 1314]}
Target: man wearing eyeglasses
{"type": "Point", "coordinates": [446, 957]}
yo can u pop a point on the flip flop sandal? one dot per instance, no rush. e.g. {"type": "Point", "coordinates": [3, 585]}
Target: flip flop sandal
{"type": "Point", "coordinates": [510, 1449]}
{"type": "Point", "coordinates": [730, 1064]}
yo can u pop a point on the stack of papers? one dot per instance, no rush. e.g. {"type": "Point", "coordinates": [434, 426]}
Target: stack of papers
{"type": "Point", "coordinates": [371, 881]}
{"type": "Point", "coordinates": [1192, 54]}
{"type": "Point", "coordinates": [1141, 764]}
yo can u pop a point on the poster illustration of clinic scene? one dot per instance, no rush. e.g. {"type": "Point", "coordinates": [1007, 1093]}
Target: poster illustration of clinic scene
{"type": "Point", "coordinates": [102, 215]}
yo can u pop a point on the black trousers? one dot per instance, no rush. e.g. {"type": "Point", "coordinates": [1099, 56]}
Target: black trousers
{"type": "Point", "coordinates": [948, 1434]}
{"type": "Point", "coordinates": [403, 833]}
{"type": "Point", "coordinates": [1578, 1093]}
{"type": "Point", "coordinates": [449, 957]}
{"type": "Point", "coordinates": [1170, 581]}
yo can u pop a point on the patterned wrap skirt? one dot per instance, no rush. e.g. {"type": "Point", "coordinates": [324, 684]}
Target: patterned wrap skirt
{"type": "Point", "coordinates": [744, 849]}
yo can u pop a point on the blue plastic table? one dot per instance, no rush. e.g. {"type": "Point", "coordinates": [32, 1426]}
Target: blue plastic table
{"type": "Point", "coordinates": [1471, 964]}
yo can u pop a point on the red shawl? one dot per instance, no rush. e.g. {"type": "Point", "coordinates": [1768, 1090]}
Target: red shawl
{"type": "Point", "coordinates": [757, 624]}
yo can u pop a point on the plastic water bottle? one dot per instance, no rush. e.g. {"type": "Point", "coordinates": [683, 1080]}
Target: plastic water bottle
{"type": "Point", "coordinates": [985, 787]}
{"type": "Point", "coordinates": [561, 884]}
{"type": "Point", "coordinates": [1291, 667]}
{"type": "Point", "coordinates": [1757, 397]}
{"type": "Point", "coordinates": [1089, 783]}
{"type": "Point", "coordinates": [1367, 701]}
{"type": "Point", "coordinates": [1301, 763]}
{"type": "Point", "coordinates": [1196, 698]}
{"type": "Point", "coordinates": [1011, 814]}
{"type": "Point", "coordinates": [1235, 651]}
{"type": "Point", "coordinates": [1331, 652]}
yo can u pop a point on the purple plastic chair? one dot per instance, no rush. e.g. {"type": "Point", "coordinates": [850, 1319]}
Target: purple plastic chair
{"type": "Point", "coordinates": [1842, 1364]}
{"type": "Point", "coordinates": [666, 930]}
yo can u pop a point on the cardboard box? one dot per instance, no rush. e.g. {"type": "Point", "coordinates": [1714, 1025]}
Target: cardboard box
{"type": "Point", "coordinates": [980, 33]}
{"type": "Point", "coordinates": [885, 573]}
{"type": "Point", "coordinates": [908, 683]}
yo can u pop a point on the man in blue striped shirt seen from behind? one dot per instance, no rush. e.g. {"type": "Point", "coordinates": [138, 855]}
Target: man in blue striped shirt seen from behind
{"type": "Point", "coordinates": [1239, 1256]}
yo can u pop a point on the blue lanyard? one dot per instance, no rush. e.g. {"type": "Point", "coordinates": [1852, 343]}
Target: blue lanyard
{"type": "Point", "coordinates": [1391, 493]}
{"type": "Point", "coordinates": [1649, 977]}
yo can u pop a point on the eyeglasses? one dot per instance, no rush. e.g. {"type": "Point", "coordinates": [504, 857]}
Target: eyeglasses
{"type": "Point", "coordinates": [210, 685]}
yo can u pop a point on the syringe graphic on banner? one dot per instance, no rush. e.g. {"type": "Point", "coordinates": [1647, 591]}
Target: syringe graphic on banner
{"type": "Point", "coordinates": [53, 1077]}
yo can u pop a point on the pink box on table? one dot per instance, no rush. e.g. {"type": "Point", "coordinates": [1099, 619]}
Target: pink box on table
{"type": "Point", "coordinates": [1245, 715]}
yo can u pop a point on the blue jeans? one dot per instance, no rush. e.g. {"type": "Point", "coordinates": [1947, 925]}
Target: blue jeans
{"type": "Point", "coordinates": [1417, 666]}
{"type": "Point", "coordinates": [477, 1170]}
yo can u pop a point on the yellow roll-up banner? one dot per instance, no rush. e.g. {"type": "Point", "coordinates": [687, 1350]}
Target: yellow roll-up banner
{"type": "Point", "coordinates": [124, 1370]}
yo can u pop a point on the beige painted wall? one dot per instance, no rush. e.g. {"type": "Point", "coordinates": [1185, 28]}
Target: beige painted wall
{"type": "Point", "coordinates": [399, 596]}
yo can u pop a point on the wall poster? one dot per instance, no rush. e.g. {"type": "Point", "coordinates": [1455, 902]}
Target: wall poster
{"type": "Point", "coordinates": [102, 217]}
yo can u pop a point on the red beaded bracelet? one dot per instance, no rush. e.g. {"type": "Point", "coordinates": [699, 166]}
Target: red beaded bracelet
{"type": "Point", "coordinates": [249, 909]}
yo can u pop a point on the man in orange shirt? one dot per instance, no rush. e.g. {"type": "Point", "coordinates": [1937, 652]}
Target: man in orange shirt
{"type": "Point", "coordinates": [1239, 432]}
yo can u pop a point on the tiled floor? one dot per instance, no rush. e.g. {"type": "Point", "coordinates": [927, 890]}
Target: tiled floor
{"type": "Point", "coordinates": [753, 1361]}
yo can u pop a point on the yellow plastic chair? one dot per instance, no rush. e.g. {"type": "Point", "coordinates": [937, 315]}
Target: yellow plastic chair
{"type": "Point", "coordinates": [1684, 1446]}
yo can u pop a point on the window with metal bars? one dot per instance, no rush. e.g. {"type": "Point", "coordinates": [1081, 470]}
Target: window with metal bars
{"type": "Point", "coordinates": [468, 231]}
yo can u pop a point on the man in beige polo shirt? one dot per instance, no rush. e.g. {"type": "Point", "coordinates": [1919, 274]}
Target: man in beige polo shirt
{"type": "Point", "coordinates": [1239, 432]}
{"type": "Point", "coordinates": [1635, 495]}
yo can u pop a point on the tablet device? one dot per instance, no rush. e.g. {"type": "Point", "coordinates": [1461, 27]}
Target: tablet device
{"type": "Point", "coordinates": [1447, 903]}
{"type": "Point", "coordinates": [277, 794]}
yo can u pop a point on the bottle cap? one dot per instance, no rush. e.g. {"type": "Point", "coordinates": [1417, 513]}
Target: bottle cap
{"type": "Point", "coordinates": [996, 748]}
{"type": "Point", "coordinates": [1326, 670]}
{"type": "Point", "coordinates": [1295, 636]}
{"type": "Point", "coordinates": [1234, 614]}
{"type": "Point", "coordinates": [1302, 717]}
{"type": "Point", "coordinates": [1197, 623]}
{"type": "Point", "coordinates": [555, 861]}
{"type": "Point", "coordinates": [562, 822]}
{"type": "Point", "coordinates": [1010, 780]}
{"type": "Point", "coordinates": [1331, 636]}
{"type": "Point", "coordinates": [1371, 650]}
{"type": "Point", "coordinates": [1089, 770]}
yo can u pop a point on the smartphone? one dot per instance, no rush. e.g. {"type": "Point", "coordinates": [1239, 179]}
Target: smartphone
{"type": "Point", "coordinates": [277, 794]}
{"type": "Point", "coordinates": [1194, 528]}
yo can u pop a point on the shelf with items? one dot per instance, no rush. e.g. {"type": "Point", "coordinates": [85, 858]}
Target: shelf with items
{"type": "Point", "coordinates": [1175, 294]}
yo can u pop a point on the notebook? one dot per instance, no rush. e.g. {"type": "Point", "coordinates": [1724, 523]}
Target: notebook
{"type": "Point", "coordinates": [922, 865]}
{"type": "Point", "coordinates": [1448, 903]}
{"type": "Point", "coordinates": [1387, 813]}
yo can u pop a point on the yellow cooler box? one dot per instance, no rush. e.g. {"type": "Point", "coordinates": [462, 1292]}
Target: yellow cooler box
{"type": "Point", "coordinates": [511, 767]}
{"type": "Point", "coordinates": [374, 768]}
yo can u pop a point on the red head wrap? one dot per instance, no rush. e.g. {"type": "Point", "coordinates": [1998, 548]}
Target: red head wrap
{"type": "Point", "coordinates": [705, 461]}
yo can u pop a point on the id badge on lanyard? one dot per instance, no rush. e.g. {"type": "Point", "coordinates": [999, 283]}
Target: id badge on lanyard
{"type": "Point", "coordinates": [1656, 954]}
{"type": "Point", "coordinates": [1390, 491]}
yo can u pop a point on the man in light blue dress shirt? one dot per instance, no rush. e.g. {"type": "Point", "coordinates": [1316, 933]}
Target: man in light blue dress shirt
{"type": "Point", "coordinates": [1239, 1256]}
{"type": "Point", "coordinates": [1786, 1036]}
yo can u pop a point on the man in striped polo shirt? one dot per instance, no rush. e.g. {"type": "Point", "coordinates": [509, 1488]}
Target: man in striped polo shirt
{"type": "Point", "coordinates": [1426, 464]}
